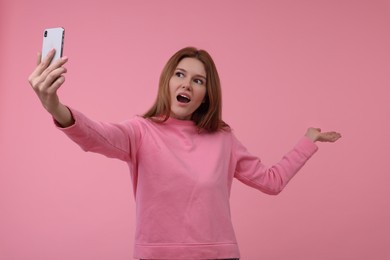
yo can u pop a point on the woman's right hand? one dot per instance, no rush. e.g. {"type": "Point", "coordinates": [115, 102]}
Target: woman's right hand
{"type": "Point", "coordinates": [46, 80]}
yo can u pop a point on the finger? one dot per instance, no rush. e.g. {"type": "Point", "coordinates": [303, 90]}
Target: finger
{"type": "Point", "coordinates": [49, 56]}
{"type": "Point", "coordinates": [34, 74]}
{"type": "Point", "coordinates": [46, 61]}
{"type": "Point", "coordinates": [336, 136]}
{"type": "Point", "coordinates": [42, 64]}
{"type": "Point", "coordinates": [52, 89]}
{"type": "Point", "coordinates": [56, 84]}
{"type": "Point", "coordinates": [54, 67]}
{"type": "Point", "coordinates": [39, 58]}
{"type": "Point", "coordinates": [44, 81]}
{"type": "Point", "coordinates": [60, 62]}
{"type": "Point", "coordinates": [53, 76]}
{"type": "Point", "coordinates": [330, 136]}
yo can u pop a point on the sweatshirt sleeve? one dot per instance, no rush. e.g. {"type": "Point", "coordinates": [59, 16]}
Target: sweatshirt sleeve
{"type": "Point", "coordinates": [112, 140]}
{"type": "Point", "coordinates": [271, 180]}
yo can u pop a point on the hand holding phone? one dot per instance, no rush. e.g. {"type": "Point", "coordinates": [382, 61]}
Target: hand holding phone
{"type": "Point", "coordinates": [53, 38]}
{"type": "Point", "coordinates": [46, 80]}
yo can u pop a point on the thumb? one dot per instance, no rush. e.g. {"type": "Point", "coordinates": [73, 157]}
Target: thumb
{"type": "Point", "coordinates": [317, 129]}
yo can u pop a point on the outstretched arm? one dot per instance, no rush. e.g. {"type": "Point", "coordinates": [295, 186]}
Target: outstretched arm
{"type": "Point", "coordinates": [46, 79]}
{"type": "Point", "coordinates": [251, 171]}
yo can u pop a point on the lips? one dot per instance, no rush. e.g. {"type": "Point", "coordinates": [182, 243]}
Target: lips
{"type": "Point", "coordinates": [183, 98]}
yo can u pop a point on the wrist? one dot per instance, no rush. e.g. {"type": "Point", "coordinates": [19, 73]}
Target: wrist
{"type": "Point", "coordinates": [62, 115]}
{"type": "Point", "coordinates": [312, 137]}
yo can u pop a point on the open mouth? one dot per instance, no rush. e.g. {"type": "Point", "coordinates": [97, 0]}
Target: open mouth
{"type": "Point", "coordinates": [183, 98]}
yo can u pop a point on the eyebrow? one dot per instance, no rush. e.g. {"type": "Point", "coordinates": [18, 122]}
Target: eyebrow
{"type": "Point", "coordinates": [197, 75]}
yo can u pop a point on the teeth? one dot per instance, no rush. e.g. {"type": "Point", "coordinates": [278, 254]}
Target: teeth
{"type": "Point", "coordinates": [183, 98]}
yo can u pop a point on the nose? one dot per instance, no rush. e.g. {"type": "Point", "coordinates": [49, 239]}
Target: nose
{"type": "Point", "coordinates": [187, 84]}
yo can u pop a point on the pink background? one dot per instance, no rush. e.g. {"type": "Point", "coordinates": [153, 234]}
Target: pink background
{"type": "Point", "coordinates": [284, 66]}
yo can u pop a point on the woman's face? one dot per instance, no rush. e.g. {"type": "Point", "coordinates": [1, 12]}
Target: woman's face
{"type": "Point", "coordinates": [187, 88]}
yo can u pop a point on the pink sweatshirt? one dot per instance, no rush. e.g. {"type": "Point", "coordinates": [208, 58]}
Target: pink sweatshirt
{"type": "Point", "coordinates": [182, 181]}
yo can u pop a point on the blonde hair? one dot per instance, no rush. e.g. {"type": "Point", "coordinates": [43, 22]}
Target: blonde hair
{"type": "Point", "coordinates": [208, 116]}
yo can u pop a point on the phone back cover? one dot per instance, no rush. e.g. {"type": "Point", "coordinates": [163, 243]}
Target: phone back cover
{"type": "Point", "coordinates": [54, 39]}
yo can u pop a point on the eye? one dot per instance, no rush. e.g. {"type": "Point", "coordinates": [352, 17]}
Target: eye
{"type": "Point", "coordinates": [199, 81]}
{"type": "Point", "coordinates": [179, 74]}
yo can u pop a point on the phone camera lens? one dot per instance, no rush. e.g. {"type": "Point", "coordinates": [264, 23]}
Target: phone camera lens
{"type": "Point", "coordinates": [45, 34]}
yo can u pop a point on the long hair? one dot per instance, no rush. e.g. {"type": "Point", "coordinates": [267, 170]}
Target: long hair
{"type": "Point", "coordinates": [208, 116]}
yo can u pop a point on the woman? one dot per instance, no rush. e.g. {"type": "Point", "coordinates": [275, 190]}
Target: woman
{"type": "Point", "coordinates": [182, 157]}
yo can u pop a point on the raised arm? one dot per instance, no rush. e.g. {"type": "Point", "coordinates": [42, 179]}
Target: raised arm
{"type": "Point", "coordinates": [46, 79]}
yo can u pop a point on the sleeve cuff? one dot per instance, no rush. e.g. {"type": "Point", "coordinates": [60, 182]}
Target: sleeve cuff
{"type": "Point", "coordinates": [307, 146]}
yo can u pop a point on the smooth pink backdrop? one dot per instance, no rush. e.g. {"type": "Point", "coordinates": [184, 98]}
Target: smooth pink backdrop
{"type": "Point", "coordinates": [285, 65]}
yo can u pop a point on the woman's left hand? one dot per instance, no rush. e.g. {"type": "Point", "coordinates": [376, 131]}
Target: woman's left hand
{"type": "Point", "coordinates": [315, 134]}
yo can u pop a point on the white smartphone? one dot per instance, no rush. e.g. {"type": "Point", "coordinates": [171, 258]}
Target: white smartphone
{"type": "Point", "coordinates": [53, 38]}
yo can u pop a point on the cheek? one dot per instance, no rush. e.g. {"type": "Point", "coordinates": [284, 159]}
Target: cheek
{"type": "Point", "coordinates": [174, 83]}
{"type": "Point", "coordinates": [171, 86]}
{"type": "Point", "coordinates": [202, 94]}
